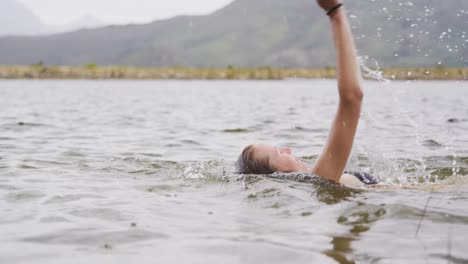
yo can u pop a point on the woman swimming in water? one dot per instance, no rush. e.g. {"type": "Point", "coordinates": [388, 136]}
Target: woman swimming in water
{"type": "Point", "coordinates": [267, 159]}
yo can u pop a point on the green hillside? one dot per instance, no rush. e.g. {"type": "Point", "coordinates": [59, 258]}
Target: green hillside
{"type": "Point", "coordinates": [253, 33]}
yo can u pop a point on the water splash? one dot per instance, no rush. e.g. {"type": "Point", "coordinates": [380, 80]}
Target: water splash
{"type": "Point", "coordinates": [195, 171]}
{"type": "Point", "coordinates": [213, 171]}
{"type": "Point", "coordinates": [369, 73]}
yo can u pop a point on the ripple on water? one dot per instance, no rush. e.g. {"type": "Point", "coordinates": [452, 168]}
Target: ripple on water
{"type": "Point", "coordinates": [137, 162]}
{"type": "Point", "coordinates": [46, 162]}
{"type": "Point", "coordinates": [156, 188]}
{"type": "Point", "coordinates": [236, 130]}
{"type": "Point", "coordinates": [431, 144]}
{"type": "Point", "coordinates": [434, 216]}
{"type": "Point", "coordinates": [363, 214]}
{"type": "Point", "coordinates": [173, 145]}
{"type": "Point", "coordinates": [73, 154]}
{"type": "Point", "coordinates": [165, 164]}
{"type": "Point", "coordinates": [324, 190]}
{"type": "Point", "coordinates": [8, 187]}
{"type": "Point", "coordinates": [24, 196]}
{"type": "Point", "coordinates": [95, 237]}
{"type": "Point", "coordinates": [7, 146]}
{"type": "Point", "coordinates": [99, 213]}
{"type": "Point", "coordinates": [21, 126]}
{"type": "Point", "coordinates": [449, 258]}
{"type": "Point", "coordinates": [71, 198]}
{"type": "Point", "coordinates": [152, 155]}
{"type": "Point", "coordinates": [27, 167]}
{"type": "Point", "coordinates": [305, 129]}
{"type": "Point", "coordinates": [54, 219]}
{"type": "Point", "coordinates": [190, 142]}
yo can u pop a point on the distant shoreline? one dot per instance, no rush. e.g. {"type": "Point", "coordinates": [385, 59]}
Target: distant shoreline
{"type": "Point", "coordinates": [93, 72]}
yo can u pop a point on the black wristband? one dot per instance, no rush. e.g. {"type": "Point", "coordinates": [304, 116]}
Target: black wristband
{"type": "Point", "coordinates": [331, 11]}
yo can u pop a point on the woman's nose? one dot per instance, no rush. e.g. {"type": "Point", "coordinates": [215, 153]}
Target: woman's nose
{"type": "Point", "coordinates": [287, 150]}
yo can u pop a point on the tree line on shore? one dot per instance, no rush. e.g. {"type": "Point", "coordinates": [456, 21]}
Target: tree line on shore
{"type": "Point", "coordinates": [92, 71]}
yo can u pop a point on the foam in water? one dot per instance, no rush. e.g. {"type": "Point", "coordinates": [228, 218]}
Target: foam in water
{"type": "Point", "coordinates": [195, 171]}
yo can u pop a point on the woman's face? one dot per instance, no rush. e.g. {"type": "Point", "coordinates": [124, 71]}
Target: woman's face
{"type": "Point", "coordinates": [280, 159]}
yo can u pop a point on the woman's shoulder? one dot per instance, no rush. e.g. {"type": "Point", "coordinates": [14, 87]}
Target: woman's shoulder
{"type": "Point", "coordinates": [350, 179]}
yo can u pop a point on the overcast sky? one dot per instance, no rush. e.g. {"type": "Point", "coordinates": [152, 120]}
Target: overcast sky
{"type": "Point", "coordinates": [118, 11]}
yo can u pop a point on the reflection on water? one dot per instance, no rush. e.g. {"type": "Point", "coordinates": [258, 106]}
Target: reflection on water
{"type": "Point", "coordinates": [359, 219]}
{"type": "Point", "coordinates": [143, 171]}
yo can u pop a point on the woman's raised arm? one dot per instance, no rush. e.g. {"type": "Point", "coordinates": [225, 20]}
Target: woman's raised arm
{"type": "Point", "coordinates": [335, 155]}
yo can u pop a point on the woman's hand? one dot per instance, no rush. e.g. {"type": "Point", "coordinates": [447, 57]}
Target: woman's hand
{"type": "Point", "coordinates": [327, 4]}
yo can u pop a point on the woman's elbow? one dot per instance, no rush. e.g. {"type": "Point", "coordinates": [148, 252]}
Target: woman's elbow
{"type": "Point", "coordinates": [355, 96]}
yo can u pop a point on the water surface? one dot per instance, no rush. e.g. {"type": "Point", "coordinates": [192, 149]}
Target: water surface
{"type": "Point", "coordinates": [127, 171]}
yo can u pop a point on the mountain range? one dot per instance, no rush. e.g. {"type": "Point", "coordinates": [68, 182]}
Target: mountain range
{"type": "Point", "coordinates": [17, 20]}
{"type": "Point", "coordinates": [252, 33]}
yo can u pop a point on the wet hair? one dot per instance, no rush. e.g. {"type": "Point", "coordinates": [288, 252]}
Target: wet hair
{"type": "Point", "coordinates": [247, 163]}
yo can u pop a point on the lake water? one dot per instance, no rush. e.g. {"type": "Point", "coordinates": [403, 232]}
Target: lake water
{"type": "Point", "coordinates": [142, 172]}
